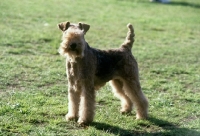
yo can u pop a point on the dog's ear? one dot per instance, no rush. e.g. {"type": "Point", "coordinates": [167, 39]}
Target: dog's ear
{"type": "Point", "coordinates": [64, 25]}
{"type": "Point", "coordinates": [84, 27]}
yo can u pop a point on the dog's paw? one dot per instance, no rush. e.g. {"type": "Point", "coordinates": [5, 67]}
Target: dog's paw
{"type": "Point", "coordinates": [125, 111]}
{"type": "Point", "coordinates": [141, 117]}
{"type": "Point", "coordinates": [83, 123]}
{"type": "Point", "coordinates": [71, 118]}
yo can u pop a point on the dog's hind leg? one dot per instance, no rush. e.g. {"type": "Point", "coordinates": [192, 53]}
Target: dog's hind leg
{"type": "Point", "coordinates": [118, 91]}
{"type": "Point", "coordinates": [133, 90]}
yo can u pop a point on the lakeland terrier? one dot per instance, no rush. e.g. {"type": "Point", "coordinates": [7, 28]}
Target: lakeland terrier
{"type": "Point", "coordinates": [88, 69]}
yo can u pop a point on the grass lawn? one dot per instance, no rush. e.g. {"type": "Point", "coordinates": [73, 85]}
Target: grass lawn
{"type": "Point", "coordinates": [33, 84]}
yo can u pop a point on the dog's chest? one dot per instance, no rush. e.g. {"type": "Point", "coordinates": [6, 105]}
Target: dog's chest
{"type": "Point", "coordinates": [72, 69]}
{"type": "Point", "coordinates": [77, 70]}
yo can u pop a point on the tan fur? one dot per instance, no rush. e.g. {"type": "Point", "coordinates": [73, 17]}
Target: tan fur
{"type": "Point", "coordinates": [88, 69]}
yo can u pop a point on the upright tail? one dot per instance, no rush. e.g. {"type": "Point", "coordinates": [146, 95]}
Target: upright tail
{"type": "Point", "coordinates": [128, 43]}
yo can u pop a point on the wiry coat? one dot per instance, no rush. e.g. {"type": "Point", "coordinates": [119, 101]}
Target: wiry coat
{"type": "Point", "coordinates": [88, 69]}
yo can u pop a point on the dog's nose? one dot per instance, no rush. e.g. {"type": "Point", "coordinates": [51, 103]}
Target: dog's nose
{"type": "Point", "coordinates": [73, 46]}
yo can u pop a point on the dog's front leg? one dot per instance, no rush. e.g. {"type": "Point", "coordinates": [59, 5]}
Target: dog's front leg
{"type": "Point", "coordinates": [87, 104]}
{"type": "Point", "coordinates": [73, 104]}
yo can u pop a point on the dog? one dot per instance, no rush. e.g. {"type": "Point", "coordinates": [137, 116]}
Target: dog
{"type": "Point", "coordinates": [88, 69]}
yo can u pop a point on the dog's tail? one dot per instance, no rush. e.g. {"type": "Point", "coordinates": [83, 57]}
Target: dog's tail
{"type": "Point", "coordinates": [128, 43]}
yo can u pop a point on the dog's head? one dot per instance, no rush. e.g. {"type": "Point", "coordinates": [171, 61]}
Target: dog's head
{"type": "Point", "coordinates": [73, 42]}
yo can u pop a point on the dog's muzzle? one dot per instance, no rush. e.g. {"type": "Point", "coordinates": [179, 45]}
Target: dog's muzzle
{"type": "Point", "coordinates": [73, 46]}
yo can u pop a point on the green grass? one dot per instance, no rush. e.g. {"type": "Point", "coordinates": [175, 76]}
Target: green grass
{"type": "Point", "coordinates": [33, 84]}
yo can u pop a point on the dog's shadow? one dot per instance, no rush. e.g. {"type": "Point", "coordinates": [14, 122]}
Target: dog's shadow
{"type": "Point", "coordinates": [111, 129]}
{"type": "Point", "coordinates": [170, 129]}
